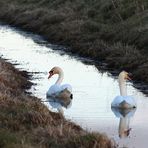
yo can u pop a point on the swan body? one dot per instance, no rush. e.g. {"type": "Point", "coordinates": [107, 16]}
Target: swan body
{"type": "Point", "coordinates": [123, 101]}
{"type": "Point", "coordinates": [57, 90]}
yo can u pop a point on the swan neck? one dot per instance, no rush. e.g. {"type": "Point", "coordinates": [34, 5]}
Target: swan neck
{"type": "Point", "coordinates": [60, 78]}
{"type": "Point", "coordinates": [122, 86]}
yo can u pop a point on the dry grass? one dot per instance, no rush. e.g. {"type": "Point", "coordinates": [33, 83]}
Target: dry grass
{"type": "Point", "coordinates": [114, 32]}
{"type": "Point", "coordinates": [27, 123]}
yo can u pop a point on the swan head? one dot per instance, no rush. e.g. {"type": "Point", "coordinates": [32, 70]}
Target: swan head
{"type": "Point", "coordinates": [55, 70]}
{"type": "Point", "coordinates": [123, 76]}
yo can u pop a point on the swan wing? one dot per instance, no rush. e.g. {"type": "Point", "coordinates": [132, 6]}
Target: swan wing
{"type": "Point", "coordinates": [66, 86]}
{"type": "Point", "coordinates": [120, 99]}
{"type": "Point", "coordinates": [54, 89]}
{"type": "Point", "coordinates": [117, 100]}
{"type": "Point", "coordinates": [130, 100]}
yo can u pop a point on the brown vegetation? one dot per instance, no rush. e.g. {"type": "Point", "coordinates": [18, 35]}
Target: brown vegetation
{"type": "Point", "coordinates": [111, 31]}
{"type": "Point", "coordinates": [27, 123]}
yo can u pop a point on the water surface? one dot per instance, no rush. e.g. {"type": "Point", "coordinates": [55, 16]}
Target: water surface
{"type": "Point", "coordinates": [93, 91]}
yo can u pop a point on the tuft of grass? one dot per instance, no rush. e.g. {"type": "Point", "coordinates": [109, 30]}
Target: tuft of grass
{"type": "Point", "coordinates": [6, 138]}
{"type": "Point", "coordinates": [27, 123]}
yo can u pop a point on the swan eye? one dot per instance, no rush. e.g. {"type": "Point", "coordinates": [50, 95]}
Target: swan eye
{"type": "Point", "coordinates": [51, 72]}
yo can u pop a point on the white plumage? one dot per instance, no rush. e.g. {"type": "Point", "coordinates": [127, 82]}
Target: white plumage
{"type": "Point", "coordinates": [123, 101]}
{"type": "Point", "coordinates": [57, 90]}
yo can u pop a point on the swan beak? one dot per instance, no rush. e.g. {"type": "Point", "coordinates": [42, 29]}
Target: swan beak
{"type": "Point", "coordinates": [50, 74]}
{"type": "Point", "coordinates": [128, 77]}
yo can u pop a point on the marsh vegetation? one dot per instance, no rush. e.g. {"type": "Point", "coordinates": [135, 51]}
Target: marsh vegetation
{"type": "Point", "coordinates": [114, 32]}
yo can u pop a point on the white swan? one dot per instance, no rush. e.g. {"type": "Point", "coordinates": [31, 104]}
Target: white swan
{"type": "Point", "coordinates": [57, 90]}
{"type": "Point", "coordinates": [123, 101]}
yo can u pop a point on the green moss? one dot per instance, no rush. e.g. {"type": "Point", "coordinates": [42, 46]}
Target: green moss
{"type": "Point", "coordinates": [7, 138]}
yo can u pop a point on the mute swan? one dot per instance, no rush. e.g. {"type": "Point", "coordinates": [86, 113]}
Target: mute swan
{"type": "Point", "coordinates": [57, 90]}
{"type": "Point", "coordinates": [123, 101]}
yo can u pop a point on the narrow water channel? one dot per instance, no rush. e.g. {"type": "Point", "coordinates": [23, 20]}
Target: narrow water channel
{"type": "Point", "coordinates": [93, 91]}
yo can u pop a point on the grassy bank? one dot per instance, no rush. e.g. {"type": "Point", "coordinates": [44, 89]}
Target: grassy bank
{"type": "Point", "coordinates": [114, 32]}
{"type": "Point", "coordinates": [27, 123]}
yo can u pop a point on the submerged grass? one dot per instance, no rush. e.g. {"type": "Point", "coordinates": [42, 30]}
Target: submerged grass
{"type": "Point", "coordinates": [27, 123]}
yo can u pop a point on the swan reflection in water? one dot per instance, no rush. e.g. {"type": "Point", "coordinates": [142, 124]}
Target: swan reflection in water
{"type": "Point", "coordinates": [60, 102]}
{"type": "Point", "coordinates": [124, 123]}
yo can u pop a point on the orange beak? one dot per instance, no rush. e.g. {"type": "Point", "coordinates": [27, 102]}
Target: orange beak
{"type": "Point", "coordinates": [128, 78]}
{"type": "Point", "coordinates": [50, 74]}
